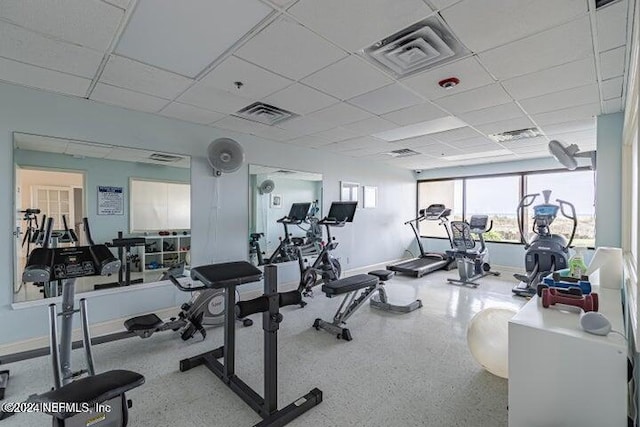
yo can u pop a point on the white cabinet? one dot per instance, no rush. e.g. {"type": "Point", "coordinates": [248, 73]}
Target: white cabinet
{"type": "Point", "coordinates": [559, 375]}
{"type": "Point", "coordinates": [166, 251]}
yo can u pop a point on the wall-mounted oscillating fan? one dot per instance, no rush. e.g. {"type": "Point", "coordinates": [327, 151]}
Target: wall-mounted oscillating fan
{"type": "Point", "coordinates": [567, 155]}
{"type": "Point", "coordinates": [225, 155]}
{"type": "Point", "coordinates": [267, 186]}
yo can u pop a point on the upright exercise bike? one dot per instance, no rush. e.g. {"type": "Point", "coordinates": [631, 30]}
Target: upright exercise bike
{"type": "Point", "coordinates": [472, 262]}
{"type": "Point", "coordinates": [545, 252]}
{"type": "Point", "coordinates": [325, 268]}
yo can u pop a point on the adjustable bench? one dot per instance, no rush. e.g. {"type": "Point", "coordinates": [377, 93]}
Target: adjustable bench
{"type": "Point", "coordinates": [106, 389]}
{"type": "Point", "coordinates": [368, 284]}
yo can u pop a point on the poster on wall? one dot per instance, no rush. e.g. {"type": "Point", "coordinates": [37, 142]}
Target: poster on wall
{"type": "Point", "coordinates": [110, 200]}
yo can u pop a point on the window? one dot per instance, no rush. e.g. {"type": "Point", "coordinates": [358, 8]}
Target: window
{"type": "Point", "coordinates": [498, 197]}
{"type": "Point", "coordinates": [447, 192]}
{"type": "Point", "coordinates": [575, 187]}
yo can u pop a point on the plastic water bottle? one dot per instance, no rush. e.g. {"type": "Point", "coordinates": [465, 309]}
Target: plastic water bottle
{"type": "Point", "coordinates": [577, 267]}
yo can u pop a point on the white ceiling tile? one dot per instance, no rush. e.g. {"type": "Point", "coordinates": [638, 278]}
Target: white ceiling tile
{"type": "Point", "coordinates": [41, 143]}
{"type": "Point", "coordinates": [308, 141]}
{"type": "Point", "coordinates": [612, 63]}
{"type": "Point", "coordinates": [612, 88]}
{"type": "Point", "coordinates": [469, 71]}
{"type": "Point", "coordinates": [300, 99]}
{"type": "Point", "coordinates": [356, 24]}
{"type": "Point", "coordinates": [582, 138]}
{"type": "Point", "coordinates": [386, 99]}
{"type": "Point", "coordinates": [484, 24]}
{"type": "Point", "coordinates": [612, 105]}
{"type": "Point", "coordinates": [562, 99]}
{"type": "Point", "coordinates": [559, 45]}
{"type": "Point", "coordinates": [122, 4]}
{"type": "Point", "coordinates": [566, 76]}
{"type": "Point", "coordinates": [347, 78]}
{"type": "Point", "coordinates": [190, 114]}
{"type": "Point", "coordinates": [416, 114]}
{"type": "Point", "coordinates": [365, 152]}
{"type": "Point", "coordinates": [475, 99]}
{"type": "Point", "coordinates": [25, 46]}
{"type": "Point", "coordinates": [186, 39]}
{"type": "Point", "coordinates": [213, 99]}
{"type": "Point", "coordinates": [472, 143]}
{"type": "Point", "coordinates": [573, 126]}
{"type": "Point", "coordinates": [336, 134]}
{"type": "Point", "coordinates": [90, 23]}
{"type": "Point", "coordinates": [487, 147]}
{"type": "Point", "coordinates": [289, 49]}
{"type": "Point", "coordinates": [256, 82]}
{"type": "Point", "coordinates": [417, 142]}
{"type": "Point", "coordinates": [29, 75]}
{"type": "Point", "coordinates": [246, 126]}
{"type": "Point", "coordinates": [306, 125]}
{"type": "Point", "coordinates": [611, 23]}
{"type": "Point", "coordinates": [492, 114]}
{"type": "Point", "coordinates": [129, 74]}
{"type": "Point", "coordinates": [340, 114]}
{"type": "Point", "coordinates": [370, 126]}
{"type": "Point", "coordinates": [282, 3]}
{"type": "Point", "coordinates": [581, 112]}
{"type": "Point", "coordinates": [440, 150]}
{"type": "Point", "coordinates": [455, 135]}
{"type": "Point", "coordinates": [365, 142]}
{"type": "Point", "coordinates": [127, 98]}
{"type": "Point", "coordinates": [441, 4]}
{"type": "Point", "coordinates": [505, 125]}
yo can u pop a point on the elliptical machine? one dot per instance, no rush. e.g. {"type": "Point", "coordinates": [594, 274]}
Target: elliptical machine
{"type": "Point", "coordinates": [545, 252]}
{"type": "Point", "coordinates": [325, 268]}
{"type": "Point", "coordinates": [472, 263]}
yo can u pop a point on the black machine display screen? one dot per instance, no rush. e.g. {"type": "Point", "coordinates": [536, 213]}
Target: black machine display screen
{"type": "Point", "coordinates": [342, 211]}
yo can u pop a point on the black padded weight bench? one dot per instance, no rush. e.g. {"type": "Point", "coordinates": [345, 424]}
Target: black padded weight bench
{"type": "Point", "coordinates": [368, 285]}
{"type": "Point", "coordinates": [103, 393]}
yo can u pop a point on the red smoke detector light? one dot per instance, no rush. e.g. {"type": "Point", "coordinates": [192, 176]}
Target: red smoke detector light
{"type": "Point", "coordinates": [449, 83]}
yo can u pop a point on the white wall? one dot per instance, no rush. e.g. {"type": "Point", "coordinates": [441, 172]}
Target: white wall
{"type": "Point", "coordinates": [219, 205]}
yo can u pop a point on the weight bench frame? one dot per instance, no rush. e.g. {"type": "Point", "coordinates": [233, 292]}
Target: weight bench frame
{"type": "Point", "coordinates": [353, 300]}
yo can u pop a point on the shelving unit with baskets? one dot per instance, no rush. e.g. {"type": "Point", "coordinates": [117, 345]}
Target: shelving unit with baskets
{"type": "Point", "coordinates": [166, 251]}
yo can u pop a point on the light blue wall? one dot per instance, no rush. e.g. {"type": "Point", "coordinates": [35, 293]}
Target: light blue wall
{"type": "Point", "coordinates": [609, 180]}
{"type": "Point", "coordinates": [103, 172]}
{"type": "Point", "coordinates": [219, 214]}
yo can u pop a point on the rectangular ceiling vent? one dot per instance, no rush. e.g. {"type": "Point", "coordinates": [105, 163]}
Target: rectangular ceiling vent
{"type": "Point", "coordinates": [264, 113]}
{"type": "Point", "coordinates": [514, 135]}
{"type": "Point", "coordinates": [403, 152]}
{"type": "Point", "coordinates": [603, 3]}
{"type": "Point", "coordinates": [285, 172]}
{"type": "Point", "coordinates": [165, 158]}
{"type": "Point", "coordinates": [424, 45]}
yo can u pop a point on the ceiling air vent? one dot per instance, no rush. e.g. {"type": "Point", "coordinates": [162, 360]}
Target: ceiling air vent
{"type": "Point", "coordinates": [165, 158]}
{"type": "Point", "coordinates": [403, 152]}
{"type": "Point", "coordinates": [265, 114]}
{"type": "Point", "coordinates": [603, 3]}
{"type": "Point", "coordinates": [424, 45]}
{"type": "Point", "coordinates": [285, 172]}
{"type": "Point", "coordinates": [514, 135]}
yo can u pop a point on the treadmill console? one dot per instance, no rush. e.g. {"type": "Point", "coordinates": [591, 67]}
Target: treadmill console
{"type": "Point", "coordinates": [49, 264]}
{"type": "Point", "coordinates": [435, 212]}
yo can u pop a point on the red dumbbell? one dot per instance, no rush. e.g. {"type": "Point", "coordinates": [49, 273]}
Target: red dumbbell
{"type": "Point", "coordinates": [551, 296]}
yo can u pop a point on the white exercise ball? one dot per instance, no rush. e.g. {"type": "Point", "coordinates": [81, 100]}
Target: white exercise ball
{"type": "Point", "coordinates": [488, 338]}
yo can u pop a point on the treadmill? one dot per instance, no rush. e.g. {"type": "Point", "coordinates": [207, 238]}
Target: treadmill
{"type": "Point", "coordinates": [427, 262]}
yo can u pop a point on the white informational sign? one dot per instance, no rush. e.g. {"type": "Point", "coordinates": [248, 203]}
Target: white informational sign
{"type": "Point", "coordinates": [110, 200]}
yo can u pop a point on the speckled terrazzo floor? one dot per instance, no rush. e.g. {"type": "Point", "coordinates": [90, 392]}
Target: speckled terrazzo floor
{"type": "Point", "coordinates": [400, 370]}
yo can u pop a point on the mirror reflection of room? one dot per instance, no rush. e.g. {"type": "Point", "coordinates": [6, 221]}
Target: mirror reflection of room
{"type": "Point", "coordinates": [136, 201]}
{"type": "Point", "coordinates": [285, 206]}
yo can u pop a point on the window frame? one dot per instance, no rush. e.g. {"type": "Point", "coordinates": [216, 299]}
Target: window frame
{"type": "Point", "coordinates": [522, 191]}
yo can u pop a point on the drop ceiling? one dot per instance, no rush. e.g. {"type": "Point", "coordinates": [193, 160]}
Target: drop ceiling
{"type": "Point", "coordinates": [554, 65]}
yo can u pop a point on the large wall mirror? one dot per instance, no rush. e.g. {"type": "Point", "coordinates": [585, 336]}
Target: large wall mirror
{"type": "Point", "coordinates": [136, 201]}
{"type": "Point", "coordinates": [275, 193]}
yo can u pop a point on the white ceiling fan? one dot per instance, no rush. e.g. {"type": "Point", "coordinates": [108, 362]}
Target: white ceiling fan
{"type": "Point", "coordinates": [567, 155]}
